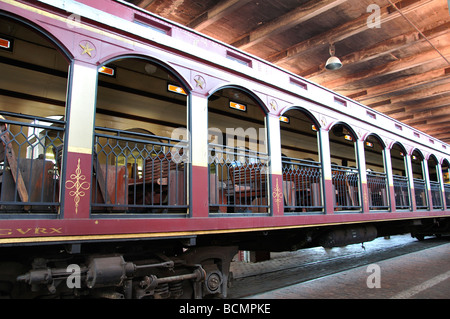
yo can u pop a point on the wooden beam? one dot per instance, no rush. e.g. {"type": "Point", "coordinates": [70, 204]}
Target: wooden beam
{"type": "Point", "coordinates": [431, 91]}
{"type": "Point", "coordinates": [428, 57]}
{"type": "Point", "coordinates": [145, 3]}
{"type": "Point", "coordinates": [435, 129]}
{"type": "Point", "coordinates": [216, 13]}
{"type": "Point", "coordinates": [342, 32]}
{"type": "Point", "coordinates": [437, 113]}
{"type": "Point", "coordinates": [441, 134]}
{"type": "Point", "coordinates": [405, 83]}
{"type": "Point", "coordinates": [417, 107]}
{"type": "Point", "coordinates": [380, 49]}
{"type": "Point", "coordinates": [431, 105]}
{"type": "Point", "coordinates": [392, 111]}
{"type": "Point", "coordinates": [379, 104]}
{"type": "Point", "coordinates": [404, 118]}
{"type": "Point", "coordinates": [299, 15]}
{"type": "Point", "coordinates": [430, 120]}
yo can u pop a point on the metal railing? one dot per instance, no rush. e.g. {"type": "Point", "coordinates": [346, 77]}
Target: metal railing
{"type": "Point", "coordinates": [436, 194]}
{"type": "Point", "coordinates": [420, 192]}
{"type": "Point", "coordinates": [238, 180]}
{"type": "Point", "coordinates": [447, 195]}
{"type": "Point", "coordinates": [30, 163]}
{"type": "Point", "coordinates": [345, 183]}
{"type": "Point", "coordinates": [377, 188]}
{"type": "Point", "coordinates": [401, 192]}
{"type": "Point", "coordinates": [138, 173]}
{"type": "Point", "coordinates": [302, 189]}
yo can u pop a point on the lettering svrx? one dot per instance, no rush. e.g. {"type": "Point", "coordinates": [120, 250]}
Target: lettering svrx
{"type": "Point", "coordinates": [30, 231]}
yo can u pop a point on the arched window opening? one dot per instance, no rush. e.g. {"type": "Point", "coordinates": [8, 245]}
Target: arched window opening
{"type": "Point", "coordinates": [302, 170]}
{"type": "Point", "coordinates": [141, 141]}
{"type": "Point", "coordinates": [238, 158]}
{"type": "Point", "coordinates": [376, 174]}
{"type": "Point", "coordinates": [33, 78]}
{"type": "Point", "coordinates": [446, 177]}
{"type": "Point", "coordinates": [420, 188]}
{"type": "Point", "coordinates": [345, 174]}
{"type": "Point", "coordinates": [400, 177]}
{"type": "Point", "coordinates": [435, 185]}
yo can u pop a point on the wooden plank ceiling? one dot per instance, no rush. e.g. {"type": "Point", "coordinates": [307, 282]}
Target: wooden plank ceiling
{"type": "Point", "coordinates": [401, 68]}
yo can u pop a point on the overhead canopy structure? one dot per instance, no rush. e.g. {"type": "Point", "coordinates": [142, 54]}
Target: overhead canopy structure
{"type": "Point", "coordinates": [395, 54]}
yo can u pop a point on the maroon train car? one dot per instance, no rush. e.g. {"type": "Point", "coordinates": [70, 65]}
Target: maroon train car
{"type": "Point", "coordinates": [141, 156]}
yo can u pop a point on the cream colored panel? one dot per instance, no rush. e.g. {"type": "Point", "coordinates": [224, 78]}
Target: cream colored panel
{"type": "Point", "coordinates": [361, 158]}
{"type": "Point", "coordinates": [82, 108]}
{"type": "Point", "coordinates": [199, 131]}
{"type": "Point", "coordinates": [273, 123]}
{"type": "Point", "coordinates": [324, 148]}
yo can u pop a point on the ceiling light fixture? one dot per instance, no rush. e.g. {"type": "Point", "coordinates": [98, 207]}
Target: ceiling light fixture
{"type": "Point", "coordinates": [333, 63]}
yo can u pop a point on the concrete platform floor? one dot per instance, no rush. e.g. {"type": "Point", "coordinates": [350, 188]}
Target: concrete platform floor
{"type": "Point", "coordinates": [423, 275]}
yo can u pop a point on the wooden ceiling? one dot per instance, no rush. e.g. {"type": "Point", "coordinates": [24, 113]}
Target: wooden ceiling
{"type": "Point", "coordinates": [400, 68]}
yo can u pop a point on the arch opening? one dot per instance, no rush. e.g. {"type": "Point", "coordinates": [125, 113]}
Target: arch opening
{"type": "Point", "coordinates": [376, 173]}
{"type": "Point", "coordinates": [400, 177]}
{"type": "Point", "coordinates": [33, 78]}
{"type": "Point", "coordinates": [302, 169]}
{"type": "Point", "coordinates": [446, 178]}
{"type": "Point", "coordinates": [420, 186]}
{"type": "Point", "coordinates": [345, 173]}
{"type": "Point", "coordinates": [141, 143]}
{"type": "Point", "coordinates": [238, 153]}
{"type": "Point", "coordinates": [435, 185]}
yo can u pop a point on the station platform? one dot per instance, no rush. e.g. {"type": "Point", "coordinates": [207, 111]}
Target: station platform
{"type": "Point", "coordinates": [419, 275]}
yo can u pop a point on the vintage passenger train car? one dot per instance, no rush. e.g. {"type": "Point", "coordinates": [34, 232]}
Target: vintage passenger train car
{"type": "Point", "coordinates": [141, 156]}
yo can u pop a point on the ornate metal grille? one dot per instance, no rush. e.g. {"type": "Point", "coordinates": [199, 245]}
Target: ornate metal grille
{"type": "Point", "coordinates": [238, 180]}
{"type": "Point", "coordinates": [302, 189]}
{"type": "Point", "coordinates": [138, 173]}
{"type": "Point", "coordinates": [447, 195]}
{"type": "Point", "coordinates": [377, 187]}
{"type": "Point", "coordinates": [401, 191]}
{"type": "Point", "coordinates": [345, 182]}
{"type": "Point", "coordinates": [420, 192]}
{"type": "Point", "coordinates": [436, 197]}
{"type": "Point", "coordinates": [30, 163]}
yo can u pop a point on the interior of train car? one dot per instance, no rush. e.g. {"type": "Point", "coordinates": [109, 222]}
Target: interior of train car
{"type": "Point", "coordinates": [140, 133]}
{"type": "Point", "coordinates": [140, 141]}
{"type": "Point", "coordinates": [400, 177]}
{"type": "Point", "coordinates": [435, 188]}
{"type": "Point", "coordinates": [419, 180]}
{"type": "Point", "coordinates": [445, 176]}
{"type": "Point", "coordinates": [238, 155]}
{"type": "Point", "coordinates": [345, 173]}
{"type": "Point", "coordinates": [302, 169]}
{"type": "Point", "coordinates": [33, 81]}
{"type": "Point", "coordinates": [376, 173]}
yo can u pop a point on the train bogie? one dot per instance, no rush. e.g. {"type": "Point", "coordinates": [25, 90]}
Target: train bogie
{"type": "Point", "coordinates": [126, 272]}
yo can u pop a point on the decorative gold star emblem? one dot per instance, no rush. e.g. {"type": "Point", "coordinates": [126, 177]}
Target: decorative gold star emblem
{"type": "Point", "coordinates": [274, 105]}
{"type": "Point", "coordinates": [86, 49]}
{"type": "Point", "coordinates": [199, 81]}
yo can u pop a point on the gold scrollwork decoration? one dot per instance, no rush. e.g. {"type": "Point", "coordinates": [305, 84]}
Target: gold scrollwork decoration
{"type": "Point", "coordinates": [78, 184]}
{"type": "Point", "coordinates": [277, 196]}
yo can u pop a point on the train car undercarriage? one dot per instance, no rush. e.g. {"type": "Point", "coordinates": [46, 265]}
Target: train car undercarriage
{"type": "Point", "coordinates": [139, 273]}
{"type": "Point", "coordinates": [169, 269]}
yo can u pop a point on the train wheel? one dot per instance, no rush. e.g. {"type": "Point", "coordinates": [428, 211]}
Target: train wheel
{"type": "Point", "coordinates": [216, 263]}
